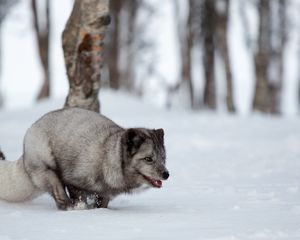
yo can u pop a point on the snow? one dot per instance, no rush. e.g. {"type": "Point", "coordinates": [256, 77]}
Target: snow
{"type": "Point", "coordinates": [231, 178]}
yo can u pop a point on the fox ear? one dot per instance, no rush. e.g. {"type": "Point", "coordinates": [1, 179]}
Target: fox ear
{"type": "Point", "coordinates": [134, 139]}
{"type": "Point", "coordinates": [160, 134]}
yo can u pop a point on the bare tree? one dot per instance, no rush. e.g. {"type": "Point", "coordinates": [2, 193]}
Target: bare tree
{"type": "Point", "coordinates": [208, 30]}
{"type": "Point", "coordinates": [222, 16]}
{"type": "Point", "coordinates": [186, 31]}
{"type": "Point", "coordinates": [114, 44]}
{"type": "Point", "coordinates": [261, 98]}
{"type": "Point", "coordinates": [83, 48]}
{"type": "Point", "coordinates": [131, 8]}
{"type": "Point", "coordinates": [202, 29]}
{"type": "Point", "coordinates": [277, 62]}
{"type": "Point", "coordinates": [41, 19]}
{"type": "Point", "coordinates": [187, 44]}
{"type": "Point", "coordinates": [5, 5]}
{"type": "Point", "coordinates": [122, 48]}
{"type": "Point", "coordinates": [269, 57]}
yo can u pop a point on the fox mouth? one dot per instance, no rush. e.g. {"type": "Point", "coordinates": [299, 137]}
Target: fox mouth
{"type": "Point", "coordinates": [154, 182]}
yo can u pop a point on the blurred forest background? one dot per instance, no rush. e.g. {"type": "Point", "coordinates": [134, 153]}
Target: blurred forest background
{"type": "Point", "coordinates": [227, 55]}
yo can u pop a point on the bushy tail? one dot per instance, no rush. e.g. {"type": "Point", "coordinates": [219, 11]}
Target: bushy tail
{"type": "Point", "coordinates": [15, 184]}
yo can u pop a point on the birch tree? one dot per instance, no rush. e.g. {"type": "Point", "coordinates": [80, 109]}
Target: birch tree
{"type": "Point", "coordinates": [83, 48]}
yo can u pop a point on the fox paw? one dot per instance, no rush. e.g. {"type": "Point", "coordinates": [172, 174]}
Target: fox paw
{"type": "Point", "coordinates": [79, 205]}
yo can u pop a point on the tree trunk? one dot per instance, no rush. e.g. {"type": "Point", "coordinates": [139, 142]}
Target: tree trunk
{"type": "Point", "coordinates": [42, 36]}
{"type": "Point", "coordinates": [127, 76]}
{"type": "Point", "coordinates": [5, 6]}
{"type": "Point", "coordinates": [261, 98]}
{"type": "Point", "coordinates": [277, 58]}
{"type": "Point", "coordinates": [269, 57]}
{"type": "Point", "coordinates": [114, 57]}
{"type": "Point", "coordinates": [83, 48]}
{"type": "Point", "coordinates": [222, 46]}
{"type": "Point", "coordinates": [185, 33]}
{"type": "Point", "coordinates": [208, 29]}
{"type": "Point", "coordinates": [187, 53]}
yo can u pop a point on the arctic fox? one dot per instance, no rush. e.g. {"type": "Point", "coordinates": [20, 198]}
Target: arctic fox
{"type": "Point", "coordinates": [84, 152]}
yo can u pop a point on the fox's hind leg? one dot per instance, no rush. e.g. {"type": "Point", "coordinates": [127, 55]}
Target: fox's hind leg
{"type": "Point", "coordinates": [40, 164]}
{"type": "Point", "coordinates": [44, 177]}
{"type": "Point", "coordinates": [47, 180]}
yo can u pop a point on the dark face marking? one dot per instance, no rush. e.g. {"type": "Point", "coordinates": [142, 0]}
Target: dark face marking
{"type": "Point", "coordinates": [134, 139]}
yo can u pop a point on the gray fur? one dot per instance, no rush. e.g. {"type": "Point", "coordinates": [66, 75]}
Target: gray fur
{"type": "Point", "coordinates": [89, 153]}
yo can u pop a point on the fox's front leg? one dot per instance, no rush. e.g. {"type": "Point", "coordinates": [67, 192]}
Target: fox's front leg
{"type": "Point", "coordinates": [78, 197]}
{"type": "Point", "coordinates": [76, 194]}
{"type": "Point", "coordinates": [101, 202]}
{"type": "Point", "coordinates": [89, 198]}
{"type": "Point", "coordinates": [81, 196]}
{"type": "Point", "coordinates": [98, 201]}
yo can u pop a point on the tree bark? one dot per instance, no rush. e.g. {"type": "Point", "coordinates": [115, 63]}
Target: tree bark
{"type": "Point", "coordinates": [83, 48]}
{"type": "Point", "coordinates": [208, 29]}
{"type": "Point", "coordinates": [42, 36]}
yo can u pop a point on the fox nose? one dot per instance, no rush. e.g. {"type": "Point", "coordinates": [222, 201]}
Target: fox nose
{"type": "Point", "coordinates": [165, 175]}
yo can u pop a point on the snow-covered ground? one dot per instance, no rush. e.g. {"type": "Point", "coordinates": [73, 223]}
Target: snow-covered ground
{"type": "Point", "coordinates": [231, 178]}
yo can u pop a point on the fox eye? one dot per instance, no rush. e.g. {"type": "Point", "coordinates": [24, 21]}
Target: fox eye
{"type": "Point", "coordinates": [148, 159]}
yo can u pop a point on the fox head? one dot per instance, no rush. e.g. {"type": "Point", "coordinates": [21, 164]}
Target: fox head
{"type": "Point", "coordinates": [145, 156]}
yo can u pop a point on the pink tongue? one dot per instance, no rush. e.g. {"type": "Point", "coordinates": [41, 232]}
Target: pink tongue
{"type": "Point", "coordinates": [157, 183]}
